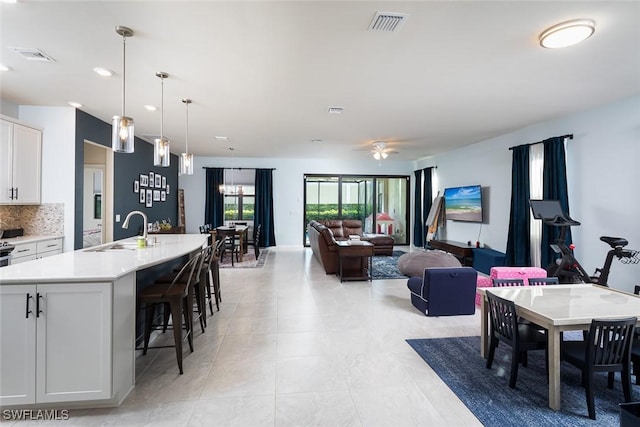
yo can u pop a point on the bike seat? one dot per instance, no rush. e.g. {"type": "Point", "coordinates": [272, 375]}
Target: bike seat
{"type": "Point", "coordinates": [614, 242]}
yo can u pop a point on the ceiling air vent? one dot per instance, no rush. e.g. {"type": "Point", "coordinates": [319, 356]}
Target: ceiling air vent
{"type": "Point", "coordinates": [32, 54]}
{"type": "Point", "coordinates": [335, 110]}
{"type": "Point", "coordinates": [385, 21]}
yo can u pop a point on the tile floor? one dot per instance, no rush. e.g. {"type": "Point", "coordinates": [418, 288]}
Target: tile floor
{"type": "Point", "coordinates": [292, 346]}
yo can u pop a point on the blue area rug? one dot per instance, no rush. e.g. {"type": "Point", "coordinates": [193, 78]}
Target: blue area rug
{"type": "Point", "coordinates": [386, 266]}
{"type": "Point", "coordinates": [487, 394]}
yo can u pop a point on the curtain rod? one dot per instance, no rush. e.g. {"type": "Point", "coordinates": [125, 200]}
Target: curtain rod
{"type": "Point", "coordinates": [238, 169]}
{"type": "Point", "coordinates": [570, 136]}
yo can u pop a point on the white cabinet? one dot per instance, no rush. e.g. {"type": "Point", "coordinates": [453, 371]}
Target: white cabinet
{"type": "Point", "coordinates": [21, 164]}
{"type": "Point", "coordinates": [49, 247]}
{"type": "Point", "coordinates": [55, 343]}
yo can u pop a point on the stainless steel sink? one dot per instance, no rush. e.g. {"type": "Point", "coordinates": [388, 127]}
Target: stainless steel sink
{"type": "Point", "coordinates": [119, 246]}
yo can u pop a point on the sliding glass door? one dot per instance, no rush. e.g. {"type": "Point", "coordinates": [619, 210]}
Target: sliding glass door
{"type": "Point", "coordinates": [379, 202]}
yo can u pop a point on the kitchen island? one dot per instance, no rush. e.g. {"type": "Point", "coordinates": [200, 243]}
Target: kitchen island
{"type": "Point", "coordinates": [67, 323]}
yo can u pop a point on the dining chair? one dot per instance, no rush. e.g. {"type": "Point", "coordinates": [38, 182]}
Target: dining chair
{"type": "Point", "coordinates": [211, 266]}
{"type": "Point", "coordinates": [178, 296]}
{"type": "Point", "coordinates": [505, 328]}
{"type": "Point", "coordinates": [606, 349]}
{"type": "Point", "coordinates": [506, 282]}
{"type": "Point", "coordinates": [256, 241]}
{"type": "Point", "coordinates": [635, 347]}
{"type": "Point", "coordinates": [542, 281]}
{"type": "Point", "coordinates": [228, 236]}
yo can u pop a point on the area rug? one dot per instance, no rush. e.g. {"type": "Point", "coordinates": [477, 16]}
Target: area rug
{"type": "Point", "coordinates": [386, 266]}
{"type": "Point", "coordinates": [248, 260]}
{"type": "Point", "coordinates": [487, 394]}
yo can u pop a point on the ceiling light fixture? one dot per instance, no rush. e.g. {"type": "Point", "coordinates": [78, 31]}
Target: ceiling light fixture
{"type": "Point", "coordinates": [122, 138]}
{"type": "Point", "coordinates": [4, 68]}
{"type": "Point", "coordinates": [186, 159]}
{"type": "Point", "coordinates": [150, 107]}
{"type": "Point", "coordinates": [75, 104]}
{"type": "Point", "coordinates": [567, 33]}
{"type": "Point", "coordinates": [103, 72]}
{"type": "Point", "coordinates": [161, 154]}
{"type": "Point", "coordinates": [379, 150]}
{"type": "Point", "coordinates": [223, 188]}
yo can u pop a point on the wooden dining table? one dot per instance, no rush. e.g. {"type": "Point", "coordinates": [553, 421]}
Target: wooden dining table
{"type": "Point", "coordinates": [241, 231]}
{"type": "Point", "coordinates": [559, 308]}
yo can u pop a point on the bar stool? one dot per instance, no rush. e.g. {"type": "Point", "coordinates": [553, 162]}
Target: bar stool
{"type": "Point", "coordinates": [177, 295]}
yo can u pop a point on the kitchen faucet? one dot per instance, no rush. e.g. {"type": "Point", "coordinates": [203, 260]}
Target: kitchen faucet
{"type": "Point", "coordinates": [125, 224]}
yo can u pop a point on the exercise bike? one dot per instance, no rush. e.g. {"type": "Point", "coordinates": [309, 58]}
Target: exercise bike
{"type": "Point", "coordinates": [567, 268]}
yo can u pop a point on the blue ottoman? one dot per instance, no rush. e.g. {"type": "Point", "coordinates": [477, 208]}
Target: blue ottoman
{"type": "Point", "coordinates": [485, 258]}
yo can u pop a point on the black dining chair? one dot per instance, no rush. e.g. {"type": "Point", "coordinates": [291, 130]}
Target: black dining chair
{"type": "Point", "coordinates": [228, 236]}
{"type": "Point", "coordinates": [505, 328]}
{"type": "Point", "coordinates": [498, 283]}
{"type": "Point", "coordinates": [256, 240]}
{"type": "Point", "coordinates": [542, 281]}
{"type": "Point", "coordinates": [606, 349]}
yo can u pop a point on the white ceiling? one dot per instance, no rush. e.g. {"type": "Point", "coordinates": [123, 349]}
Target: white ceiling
{"type": "Point", "coordinates": [264, 73]}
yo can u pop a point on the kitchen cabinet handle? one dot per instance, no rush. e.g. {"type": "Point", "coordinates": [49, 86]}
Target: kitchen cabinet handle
{"type": "Point", "coordinates": [27, 311]}
{"type": "Point", "coordinates": [38, 311]}
{"type": "Point", "coordinates": [11, 193]}
{"type": "Point", "coordinates": [23, 250]}
{"type": "Point", "coordinates": [16, 193]}
{"type": "Point", "coordinates": [52, 245]}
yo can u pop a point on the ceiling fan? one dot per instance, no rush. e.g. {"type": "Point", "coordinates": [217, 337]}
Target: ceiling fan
{"type": "Point", "coordinates": [381, 151]}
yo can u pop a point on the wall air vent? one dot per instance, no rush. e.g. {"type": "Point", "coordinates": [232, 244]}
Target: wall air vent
{"type": "Point", "coordinates": [32, 54]}
{"type": "Point", "coordinates": [386, 21]}
{"type": "Point", "coordinates": [335, 110]}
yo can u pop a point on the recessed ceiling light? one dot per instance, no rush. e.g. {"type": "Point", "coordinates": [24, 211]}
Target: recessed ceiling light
{"type": "Point", "coordinates": [222, 138]}
{"type": "Point", "coordinates": [75, 104]}
{"type": "Point", "coordinates": [10, 1]}
{"type": "Point", "coordinates": [4, 68]}
{"type": "Point", "coordinates": [151, 107]}
{"type": "Point", "coordinates": [335, 110]}
{"type": "Point", "coordinates": [567, 33]}
{"type": "Point", "coordinates": [103, 72]}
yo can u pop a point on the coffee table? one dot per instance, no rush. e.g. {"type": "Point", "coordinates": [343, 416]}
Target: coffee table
{"type": "Point", "coordinates": [361, 250]}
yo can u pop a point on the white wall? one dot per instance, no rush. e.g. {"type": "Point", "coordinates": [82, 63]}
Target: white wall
{"type": "Point", "coordinates": [603, 168]}
{"type": "Point", "coordinates": [58, 159]}
{"type": "Point", "coordinates": [287, 183]}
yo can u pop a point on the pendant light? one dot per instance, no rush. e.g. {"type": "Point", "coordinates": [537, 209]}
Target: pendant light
{"type": "Point", "coordinates": [122, 136]}
{"type": "Point", "coordinates": [186, 159]}
{"type": "Point", "coordinates": [161, 154]}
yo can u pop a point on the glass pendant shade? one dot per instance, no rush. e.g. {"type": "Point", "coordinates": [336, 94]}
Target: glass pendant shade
{"type": "Point", "coordinates": [161, 154]}
{"type": "Point", "coordinates": [186, 164]}
{"type": "Point", "coordinates": [122, 138]}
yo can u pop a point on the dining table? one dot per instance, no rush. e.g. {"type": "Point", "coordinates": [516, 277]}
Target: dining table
{"type": "Point", "coordinates": [559, 308]}
{"type": "Point", "coordinates": [241, 231]}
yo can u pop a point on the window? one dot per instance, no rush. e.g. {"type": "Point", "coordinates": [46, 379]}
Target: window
{"type": "Point", "coordinates": [239, 196]}
{"type": "Point", "coordinates": [359, 197]}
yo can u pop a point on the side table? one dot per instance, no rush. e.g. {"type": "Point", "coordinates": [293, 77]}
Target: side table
{"type": "Point", "coordinates": [363, 251]}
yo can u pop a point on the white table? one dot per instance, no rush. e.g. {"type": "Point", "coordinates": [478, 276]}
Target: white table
{"type": "Point", "coordinates": [560, 308]}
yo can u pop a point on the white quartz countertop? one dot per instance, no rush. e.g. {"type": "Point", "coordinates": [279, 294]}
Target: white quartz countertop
{"type": "Point", "coordinates": [91, 265]}
{"type": "Point", "coordinates": [29, 239]}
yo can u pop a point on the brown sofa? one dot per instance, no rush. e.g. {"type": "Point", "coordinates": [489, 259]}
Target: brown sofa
{"type": "Point", "coordinates": [323, 236]}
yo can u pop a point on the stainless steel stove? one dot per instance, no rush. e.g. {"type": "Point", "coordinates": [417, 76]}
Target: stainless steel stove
{"type": "Point", "coordinates": [5, 253]}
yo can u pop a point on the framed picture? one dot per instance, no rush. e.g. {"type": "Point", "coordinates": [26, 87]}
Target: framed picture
{"type": "Point", "coordinates": [167, 188]}
{"type": "Point", "coordinates": [151, 179]}
{"type": "Point", "coordinates": [141, 196]}
{"type": "Point", "coordinates": [163, 196]}
{"type": "Point", "coordinates": [158, 181]}
{"type": "Point", "coordinates": [136, 186]}
{"type": "Point", "coordinates": [149, 200]}
{"type": "Point", "coordinates": [164, 182]}
{"type": "Point", "coordinates": [156, 195]}
{"type": "Point", "coordinates": [144, 180]}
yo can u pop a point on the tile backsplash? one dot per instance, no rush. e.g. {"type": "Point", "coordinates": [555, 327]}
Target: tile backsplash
{"type": "Point", "coordinates": [44, 219]}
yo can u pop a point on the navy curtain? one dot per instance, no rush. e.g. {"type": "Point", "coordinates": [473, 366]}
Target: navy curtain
{"type": "Point", "coordinates": [554, 187]}
{"type": "Point", "coordinates": [427, 198]}
{"type": "Point", "coordinates": [418, 222]}
{"type": "Point", "coordinates": [213, 199]}
{"type": "Point", "coordinates": [518, 239]}
{"type": "Point", "coordinates": [264, 207]}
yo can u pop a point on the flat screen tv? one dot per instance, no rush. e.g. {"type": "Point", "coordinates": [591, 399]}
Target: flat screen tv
{"type": "Point", "coordinates": [463, 203]}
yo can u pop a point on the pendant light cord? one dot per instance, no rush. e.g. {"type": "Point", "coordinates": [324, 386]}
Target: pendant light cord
{"type": "Point", "coordinates": [186, 138]}
{"type": "Point", "coordinates": [161, 109]}
{"type": "Point", "coordinates": [124, 67]}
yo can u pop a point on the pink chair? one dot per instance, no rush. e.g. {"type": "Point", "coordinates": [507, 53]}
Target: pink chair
{"type": "Point", "coordinates": [523, 273]}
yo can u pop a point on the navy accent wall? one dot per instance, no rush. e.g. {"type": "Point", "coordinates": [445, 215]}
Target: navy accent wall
{"type": "Point", "coordinates": [127, 168]}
